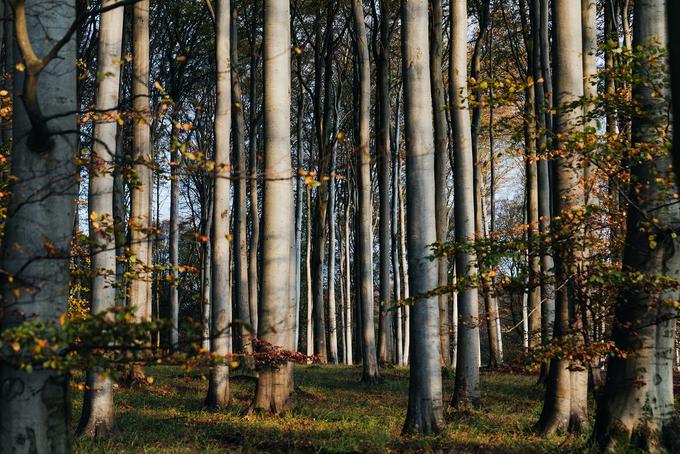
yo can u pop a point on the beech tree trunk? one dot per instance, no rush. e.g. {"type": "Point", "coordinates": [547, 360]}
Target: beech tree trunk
{"type": "Point", "coordinates": [383, 108]}
{"type": "Point", "coordinates": [565, 404]}
{"type": "Point", "coordinates": [253, 281]}
{"type": "Point", "coordinates": [244, 330]}
{"type": "Point", "coordinates": [425, 404]}
{"type": "Point", "coordinates": [220, 298]}
{"type": "Point", "coordinates": [365, 209]}
{"type": "Point", "coordinates": [466, 391]}
{"type": "Point", "coordinates": [637, 407]}
{"type": "Point", "coordinates": [97, 418]}
{"type": "Point", "coordinates": [140, 211]}
{"type": "Point", "coordinates": [277, 325]}
{"type": "Point", "coordinates": [441, 172]}
{"type": "Point", "coordinates": [34, 411]}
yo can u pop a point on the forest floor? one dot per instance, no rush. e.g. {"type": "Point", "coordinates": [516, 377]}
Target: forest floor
{"type": "Point", "coordinates": [333, 412]}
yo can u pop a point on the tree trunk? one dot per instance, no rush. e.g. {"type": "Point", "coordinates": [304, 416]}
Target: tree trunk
{"type": "Point", "coordinates": [565, 407]}
{"type": "Point", "coordinates": [34, 410]}
{"type": "Point", "coordinates": [206, 275]}
{"type": "Point", "coordinates": [425, 413]}
{"type": "Point", "coordinates": [244, 330]}
{"type": "Point", "coordinates": [404, 273]}
{"type": "Point", "coordinates": [348, 281]}
{"type": "Point", "coordinates": [542, 177]}
{"type": "Point", "coordinates": [253, 281]}
{"type": "Point", "coordinates": [396, 188]}
{"type": "Point", "coordinates": [365, 210]}
{"type": "Point", "coordinates": [441, 172]}
{"type": "Point", "coordinates": [466, 391]}
{"type": "Point", "coordinates": [308, 264]}
{"type": "Point", "coordinates": [277, 326]}
{"type": "Point", "coordinates": [382, 59]}
{"type": "Point", "coordinates": [140, 212]}
{"type": "Point", "coordinates": [332, 316]}
{"type": "Point", "coordinates": [637, 407]}
{"type": "Point", "coordinates": [97, 418]}
{"type": "Point", "coordinates": [220, 298]}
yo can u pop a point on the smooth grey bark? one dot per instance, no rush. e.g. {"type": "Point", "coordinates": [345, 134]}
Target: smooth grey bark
{"type": "Point", "coordinates": [220, 298]}
{"type": "Point", "coordinates": [383, 109]}
{"type": "Point", "coordinates": [425, 412]}
{"type": "Point", "coordinates": [589, 55]}
{"type": "Point", "coordinates": [243, 329]}
{"type": "Point", "coordinates": [637, 406]}
{"type": "Point", "coordinates": [332, 217]}
{"type": "Point", "coordinates": [97, 419]}
{"type": "Point", "coordinates": [35, 408]}
{"type": "Point", "coordinates": [206, 280]}
{"type": "Point", "coordinates": [365, 210]}
{"type": "Point", "coordinates": [542, 176]}
{"type": "Point", "coordinates": [299, 203]}
{"type": "Point", "coordinates": [565, 404]}
{"type": "Point", "coordinates": [349, 359]}
{"type": "Point", "coordinates": [396, 273]}
{"type": "Point", "coordinates": [140, 211]}
{"type": "Point", "coordinates": [466, 391]}
{"type": "Point", "coordinates": [308, 267]}
{"type": "Point", "coordinates": [441, 172]}
{"type": "Point", "coordinates": [277, 325]}
{"type": "Point", "coordinates": [533, 219]}
{"type": "Point", "coordinates": [173, 241]}
{"type": "Point", "coordinates": [253, 281]}
{"type": "Point", "coordinates": [404, 274]}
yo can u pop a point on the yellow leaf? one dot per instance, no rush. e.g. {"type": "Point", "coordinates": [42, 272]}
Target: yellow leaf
{"type": "Point", "coordinates": [20, 67]}
{"type": "Point", "coordinates": [15, 346]}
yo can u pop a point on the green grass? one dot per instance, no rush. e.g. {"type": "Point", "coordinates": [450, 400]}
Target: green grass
{"type": "Point", "coordinates": [333, 412]}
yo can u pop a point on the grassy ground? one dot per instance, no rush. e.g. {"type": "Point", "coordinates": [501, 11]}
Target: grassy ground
{"type": "Point", "coordinates": [333, 413]}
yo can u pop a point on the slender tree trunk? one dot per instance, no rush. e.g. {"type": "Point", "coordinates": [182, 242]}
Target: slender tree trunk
{"type": "Point", "coordinates": [174, 241]}
{"type": "Point", "coordinates": [425, 404]}
{"type": "Point", "coordinates": [97, 418]}
{"type": "Point", "coordinates": [275, 386]}
{"type": "Point", "coordinates": [404, 274]}
{"type": "Point", "coordinates": [332, 218]}
{"type": "Point", "coordinates": [466, 391]}
{"type": "Point", "coordinates": [565, 407]}
{"type": "Point", "coordinates": [637, 407]}
{"type": "Point", "coordinates": [395, 243]}
{"type": "Point", "coordinates": [348, 280]}
{"type": "Point", "coordinates": [253, 280]}
{"type": "Point", "coordinates": [244, 330]}
{"type": "Point", "coordinates": [542, 178]}
{"type": "Point", "coordinates": [382, 59]}
{"type": "Point", "coordinates": [441, 172]}
{"type": "Point", "coordinates": [206, 285]}
{"type": "Point", "coordinates": [220, 310]}
{"type": "Point", "coordinates": [365, 210]}
{"type": "Point", "coordinates": [299, 202]}
{"type": "Point", "coordinates": [310, 289]}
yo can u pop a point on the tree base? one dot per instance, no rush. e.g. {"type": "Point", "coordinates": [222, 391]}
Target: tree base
{"type": "Point", "coordinates": [274, 392]}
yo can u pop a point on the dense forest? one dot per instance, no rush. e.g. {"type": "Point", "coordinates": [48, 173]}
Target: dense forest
{"type": "Point", "coordinates": [352, 225]}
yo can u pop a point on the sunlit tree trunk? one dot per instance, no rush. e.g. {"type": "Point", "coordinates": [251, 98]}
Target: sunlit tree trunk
{"type": "Point", "coordinates": [220, 298]}
{"type": "Point", "coordinates": [348, 280]}
{"type": "Point", "coordinates": [34, 409]}
{"type": "Point", "coordinates": [637, 407]}
{"type": "Point", "coordinates": [396, 273]}
{"type": "Point", "coordinates": [542, 177]}
{"type": "Point", "coordinates": [308, 267]}
{"type": "Point", "coordinates": [565, 405]}
{"type": "Point", "coordinates": [332, 218]}
{"type": "Point", "coordinates": [275, 386]}
{"type": "Point", "coordinates": [466, 391]}
{"type": "Point", "coordinates": [243, 328]}
{"type": "Point", "coordinates": [365, 209]}
{"type": "Point", "coordinates": [97, 419]}
{"type": "Point", "coordinates": [425, 404]}
{"type": "Point", "coordinates": [441, 171]}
